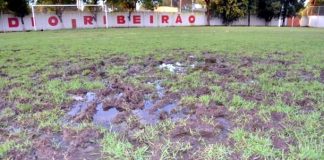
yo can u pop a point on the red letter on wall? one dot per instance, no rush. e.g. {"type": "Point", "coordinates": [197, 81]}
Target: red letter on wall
{"type": "Point", "coordinates": [151, 19]}
{"type": "Point", "coordinates": [178, 20]}
{"type": "Point", "coordinates": [74, 23]}
{"type": "Point", "coordinates": [137, 19]}
{"type": "Point", "coordinates": [13, 22]}
{"type": "Point", "coordinates": [104, 19]}
{"type": "Point", "coordinates": [120, 20]}
{"type": "Point", "coordinates": [87, 20]}
{"type": "Point", "coordinates": [53, 21]}
{"type": "Point", "coordinates": [192, 19]}
{"type": "Point", "coordinates": [165, 19]}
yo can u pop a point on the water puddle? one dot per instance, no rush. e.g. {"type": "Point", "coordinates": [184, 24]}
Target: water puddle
{"type": "Point", "coordinates": [174, 68]}
{"type": "Point", "coordinates": [104, 116]}
{"type": "Point", "coordinates": [82, 104]}
{"type": "Point", "coordinates": [146, 115]}
{"type": "Point", "coordinates": [226, 127]}
{"type": "Point", "coordinates": [159, 89]}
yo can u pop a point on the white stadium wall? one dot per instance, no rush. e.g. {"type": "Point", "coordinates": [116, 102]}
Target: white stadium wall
{"type": "Point", "coordinates": [312, 21]}
{"type": "Point", "coordinates": [316, 21]}
{"type": "Point", "coordinates": [49, 21]}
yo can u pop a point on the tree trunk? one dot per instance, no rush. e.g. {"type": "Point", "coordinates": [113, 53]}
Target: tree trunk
{"type": "Point", "coordinates": [249, 13]}
{"type": "Point", "coordinates": [208, 11]}
{"type": "Point", "coordinates": [284, 15]}
{"type": "Point", "coordinates": [22, 22]}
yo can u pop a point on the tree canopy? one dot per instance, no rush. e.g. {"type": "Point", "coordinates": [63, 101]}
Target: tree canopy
{"type": "Point", "coordinates": [3, 5]}
{"type": "Point", "coordinates": [268, 9]}
{"type": "Point", "coordinates": [18, 7]}
{"type": "Point", "coordinates": [229, 10]}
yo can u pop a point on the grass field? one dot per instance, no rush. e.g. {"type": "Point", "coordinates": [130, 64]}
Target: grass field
{"type": "Point", "coordinates": [163, 93]}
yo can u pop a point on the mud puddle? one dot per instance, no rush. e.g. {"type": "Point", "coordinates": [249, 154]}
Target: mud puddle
{"type": "Point", "coordinates": [114, 115]}
{"type": "Point", "coordinates": [176, 67]}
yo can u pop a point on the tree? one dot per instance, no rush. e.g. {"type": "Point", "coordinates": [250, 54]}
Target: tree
{"type": "Point", "coordinates": [150, 4]}
{"type": "Point", "coordinates": [3, 5]}
{"type": "Point", "coordinates": [268, 9]}
{"type": "Point", "coordinates": [315, 2]}
{"type": "Point", "coordinates": [291, 8]}
{"type": "Point", "coordinates": [208, 11]}
{"type": "Point", "coordinates": [19, 8]}
{"type": "Point", "coordinates": [93, 9]}
{"type": "Point", "coordinates": [59, 9]}
{"type": "Point", "coordinates": [229, 10]}
{"type": "Point", "coordinates": [251, 8]}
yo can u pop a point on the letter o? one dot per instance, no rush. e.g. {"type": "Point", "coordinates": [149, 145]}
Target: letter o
{"type": "Point", "coordinates": [53, 21]}
{"type": "Point", "coordinates": [192, 19]}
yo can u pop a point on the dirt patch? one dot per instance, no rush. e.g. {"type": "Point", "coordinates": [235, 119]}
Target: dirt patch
{"type": "Point", "coordinates": [287, 98]}
{"type": "Point", "coordinates": [217, 64]}
{"type": "Point", "coordinates": [277, 116]}
{"type": "Point", "coordinates": [306, 104]}
{"type": "Point", "coordinates": [246, 62]}
{"type": "Point", "coordinates": [280, 143]}
{"type": "Point", "coordinates": [44, 148]}
{"type": "Point", "coordinates": [255, 95]}
{"type": "Point", "coordinates": [306, 75]}
{"type": "Point", "coordinates": [2, 74]}
{"type": "Point", "coordinates": [321, 78]}
{"type": "Point", "coordinates": [280, 74]}
{"type": "Point", "coordinates": [213, 111]}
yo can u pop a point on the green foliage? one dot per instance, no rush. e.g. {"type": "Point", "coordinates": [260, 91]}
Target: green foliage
{"type": "Point", "coordinates": [150, 4]}
{"type": "Point", "coordinates": [216, 151]}
{"type": "Point", "coordinates": [238, 102]}
{"type": "Point", "coordinates": [57, 88]}
{"type": "Point", "coordinates": [292, 7]}
{"type": "Point", "coordinates": [58, 10]}
{"type": "Point", "coordinates": [3, 5]}
{"type": "Point", "coordinates": [252, 144]}
{"type": "Point", "coordinates": [229, 10]}
{"type": "Point", "coordinates": [5, 147]}
{"type": "Point", "coordinates": [268, 9]}
{"type": "Point", "coordinates": [24, 107]}
{"type": "Point", "coordinates": [173, 150]}
{"type": "Point", "coordinates": [49, 119]}
{"type": "Point", "coordinates": [116, 148]}
{"type": "Point", "coordinates": [19, 8]}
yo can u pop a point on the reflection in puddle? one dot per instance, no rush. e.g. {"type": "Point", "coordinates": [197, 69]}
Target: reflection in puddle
{"type": "Point", "coordinates": [159, 89]}
{"type": "Point", "coordinates": [104, 117]}
{"type": "Point", "coordinates": [226, 127]}
{"type": "Point", "coordinates": [174, 68]}
{"type": "Point", "coordinates": [81, 106]}
{"type": "Point", "coordinates": [168, 108]}
{"type": "Point", "coordinates": [146, 115]}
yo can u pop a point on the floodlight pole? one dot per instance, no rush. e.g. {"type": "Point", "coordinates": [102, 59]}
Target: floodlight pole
{"type": "Point", "coordinates": [34, 19]}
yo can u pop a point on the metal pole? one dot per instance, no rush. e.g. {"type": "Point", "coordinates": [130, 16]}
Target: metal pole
{"type": "Point", "coordinates": [3, 27]}
{"type": "Point", "coordinates": [106, 13]}
{"type": "Point", "coordinates": [180, 4]}
{"type": "Point", "coordinates": [34, 18]}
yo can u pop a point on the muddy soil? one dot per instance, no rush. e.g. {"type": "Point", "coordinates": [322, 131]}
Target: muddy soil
{"type": "Point", "coordinates": [128, 108]}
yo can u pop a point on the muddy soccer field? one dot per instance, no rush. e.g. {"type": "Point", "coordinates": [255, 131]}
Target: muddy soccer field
{"type": "Point", "coordinates": [162, 93]}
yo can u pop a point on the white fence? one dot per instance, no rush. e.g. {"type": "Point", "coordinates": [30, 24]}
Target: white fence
{"type": "Point", "coordinates": [50, 21]}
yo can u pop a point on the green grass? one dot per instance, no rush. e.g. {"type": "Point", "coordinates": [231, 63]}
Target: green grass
{"type": "Point", "coordinates": [39, 65]}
